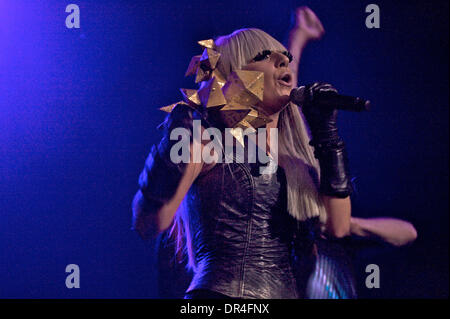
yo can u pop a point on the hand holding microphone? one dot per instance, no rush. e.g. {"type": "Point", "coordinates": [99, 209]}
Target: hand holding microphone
{"type": "Point", "coordinates": [329, 148]}
{"type": "Point", "coordinates": [326, 97]}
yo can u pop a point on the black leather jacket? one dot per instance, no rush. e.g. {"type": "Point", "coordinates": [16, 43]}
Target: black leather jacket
{"type": "Point", "coordinates": [241, 233]}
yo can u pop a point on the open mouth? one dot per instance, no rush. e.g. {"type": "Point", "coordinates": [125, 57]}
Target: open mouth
{"type": "Point", "coordinates": [285, 79]}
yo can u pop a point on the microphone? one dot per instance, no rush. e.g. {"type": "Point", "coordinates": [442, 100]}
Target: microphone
{"type": "Point", "coordinates": [331, 99]}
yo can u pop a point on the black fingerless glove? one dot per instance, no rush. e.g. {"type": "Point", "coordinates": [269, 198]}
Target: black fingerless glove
{"type": "Point", "coordinates": [329, 148]}
{"type": "Point", "coordinates": [161, 176]}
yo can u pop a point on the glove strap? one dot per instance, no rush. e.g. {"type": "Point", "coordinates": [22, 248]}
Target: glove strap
{"type": "Point", "coordinates": [334, 173]}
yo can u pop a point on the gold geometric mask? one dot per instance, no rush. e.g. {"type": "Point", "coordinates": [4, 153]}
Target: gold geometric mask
{"type": "Point", "coordinates": [235, 98]}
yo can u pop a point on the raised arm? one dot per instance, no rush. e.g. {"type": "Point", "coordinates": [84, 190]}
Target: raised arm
{"type": "Point", "coordinates": [329, 149]}
{"type": "Point", "coordinates": [305, 27]}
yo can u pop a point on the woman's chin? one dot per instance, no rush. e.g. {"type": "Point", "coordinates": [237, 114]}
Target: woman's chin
{"type": "Point", "coordinates": [275, 105]}
{"type": "Point", "coordinates": [285, 99]}
{"type": "Point", "coordinates": [281, 103]}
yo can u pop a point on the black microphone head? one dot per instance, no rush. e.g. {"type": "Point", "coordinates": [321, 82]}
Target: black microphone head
{"type": "Point", "coordinates": [297, 95]}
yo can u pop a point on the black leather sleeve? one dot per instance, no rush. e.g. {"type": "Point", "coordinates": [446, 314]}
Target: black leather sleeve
{"type": "Point", "coordinates": [329, 148]}
{"type": "Point", "coordinates": [335, 179]}
{"type": "Point", "coordinates": [160, 177]}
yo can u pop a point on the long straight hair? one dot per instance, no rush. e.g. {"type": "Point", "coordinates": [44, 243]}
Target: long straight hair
{"type": "Point", "coordinates": [295, 155]}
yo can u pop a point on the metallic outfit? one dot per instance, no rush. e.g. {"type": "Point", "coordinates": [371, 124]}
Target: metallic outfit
{"type": "Point", "coordinates": [241, 233]}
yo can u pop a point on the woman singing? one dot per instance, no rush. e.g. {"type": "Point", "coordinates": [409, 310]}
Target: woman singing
{"type": "Point", "coordinates": [238, 226]}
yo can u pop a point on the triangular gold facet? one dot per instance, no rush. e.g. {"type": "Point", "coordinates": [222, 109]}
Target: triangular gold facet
{"type": "Point", "coordinates": [236, 89]}
{"type": "Point", "coordinates": [209, 59]}
{"type": "Point", "coordinates": [220, 77]}
{"type": "Point", "coordinates": [170, 107]}
{"type": "Point", "coordinates": [253, 81]}
{"type": "Point", "coordinates": [193, 65]}
{"type": "Point", "coordinates": [231, 117]}
{"type": "Point", "coordinates": [207, 43]}
{"type": "Point", "coordinates": [191, 97]}
{"type": "Point", "coordinates": [234, 106]}
{"type": "Point", "coordinates": [202, 75]}
{"type": "Point", "coordinates": [211, 94]}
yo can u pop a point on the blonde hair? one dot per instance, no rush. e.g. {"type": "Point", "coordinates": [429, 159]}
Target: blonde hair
{"type": "Point", "coordinates": [240, 47]}
{"type": "Point", "coordinates": [295, 155]}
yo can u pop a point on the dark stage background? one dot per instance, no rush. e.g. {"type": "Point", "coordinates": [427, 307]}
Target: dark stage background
{"type": "Point", "coordinates": [78, 111]}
